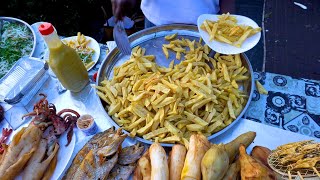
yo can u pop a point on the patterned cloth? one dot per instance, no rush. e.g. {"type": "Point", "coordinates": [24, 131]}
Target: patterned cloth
{"type": "Point", "coordinates": [291, 104]}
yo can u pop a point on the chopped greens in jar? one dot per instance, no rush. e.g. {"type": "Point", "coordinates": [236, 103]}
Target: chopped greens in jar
{"type": "Point", "coordinates": [16, 40]}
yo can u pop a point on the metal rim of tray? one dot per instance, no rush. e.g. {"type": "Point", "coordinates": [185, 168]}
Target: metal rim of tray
{"type": "Point", "coordinates": [103, 70]}
{"type": "Point", "coordinates": [26, 24]}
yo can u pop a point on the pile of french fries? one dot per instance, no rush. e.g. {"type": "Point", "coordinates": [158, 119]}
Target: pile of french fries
{"type": "Point", "coordinates": [80, 44]}
{"type": "Point", "coordinates": [228, 31]}
{"type": "Point", "coordinates": [168, 104]}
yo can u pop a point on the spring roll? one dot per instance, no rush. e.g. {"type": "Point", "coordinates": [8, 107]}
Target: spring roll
{"type": "Point", "coordinates": [137, 175]}
{"type": "Point", "coordinates": [143, 169]}
{"type": "Point", "coordinates": [176, 160]}
{"type": "Point", "coordinates": [159, 163]}
{"type": "Point", "coordinates": [198, 146]}
{"type": "Point", "coordinates": [233, 171]}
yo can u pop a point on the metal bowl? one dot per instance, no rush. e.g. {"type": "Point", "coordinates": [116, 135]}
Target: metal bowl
{"type": "Point", "coordinates": [11, 19]}
{"type": "Point", "coordinates": [152, 39]}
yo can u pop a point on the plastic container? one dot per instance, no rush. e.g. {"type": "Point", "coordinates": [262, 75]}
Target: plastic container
{"type": "Point", "coordinates": [23, 80]}
{"type": "Point", "coordinates": [87, 124]}
{"type": "Point", "coordinates": [64, 61]}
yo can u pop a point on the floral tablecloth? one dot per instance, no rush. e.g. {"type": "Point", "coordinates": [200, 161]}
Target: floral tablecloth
{"type": "Point", "coordinates": [291, 104]}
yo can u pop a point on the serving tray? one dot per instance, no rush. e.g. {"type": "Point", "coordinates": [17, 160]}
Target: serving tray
{"type": "Point", "coordinates": [152, 40]}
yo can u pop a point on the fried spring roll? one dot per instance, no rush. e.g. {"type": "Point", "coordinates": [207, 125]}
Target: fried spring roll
{"type": "Point", "coordinates": [137, 175]}
{"type": "Point", "coordinates": [159, 163]}
{"type": "Point", "coordinates": [198, 146]}
{"type": "Point", "coordinates": [176, 160]}
{"type": "Point", "coordinates": [233, 171]}
{"type": "Point", "coordinates": [143, 169]}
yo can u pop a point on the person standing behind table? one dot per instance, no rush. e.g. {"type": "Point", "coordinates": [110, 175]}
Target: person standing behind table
{"type": "Point", "coordinates": [160, 12]}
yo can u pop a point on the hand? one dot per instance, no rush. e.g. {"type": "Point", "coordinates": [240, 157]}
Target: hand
{"type": "Point", "coordinates": [121, 7]}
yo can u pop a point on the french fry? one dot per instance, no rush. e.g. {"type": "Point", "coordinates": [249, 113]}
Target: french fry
{"type": "Point", "coordinates": [170, 37]}
{"type": "Point", "coordinates": [165, 51]}
{"type": "Point", "coordinates": [260, 88]}
{"type": "Point", "coordinates": [231, 111]}
{"type": "Point", "coordinates": [81, 45]}
{"type": "Point", "coordinates": [155, 133]}
{"type": "Point", "coordinates": [213, 32]}
{"type": "Point", "coordinates": [194, 127]}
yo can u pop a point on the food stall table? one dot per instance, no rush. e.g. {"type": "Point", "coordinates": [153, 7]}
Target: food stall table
{"type": "Point", "coordinates": [263, 110]}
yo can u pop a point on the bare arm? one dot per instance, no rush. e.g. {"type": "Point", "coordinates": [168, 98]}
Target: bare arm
{"type": "Point", "coordinates": [120, 8]}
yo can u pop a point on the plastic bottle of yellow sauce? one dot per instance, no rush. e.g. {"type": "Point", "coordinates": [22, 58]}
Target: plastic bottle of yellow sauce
{"type": "Point", "coordinates": [64, 61]}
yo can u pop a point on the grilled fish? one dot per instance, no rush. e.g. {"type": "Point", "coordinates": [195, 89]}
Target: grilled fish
{"type": "Point", "coordinates": [130, 154]}
{"type": "Point", "coordinates": [93, 168]}
{"type": "Point", "coordinates": [121, 172]}
{"type": "Point", "coordinates": [93, 143]}
{"type": "Point", "coordinates": [96, 159]}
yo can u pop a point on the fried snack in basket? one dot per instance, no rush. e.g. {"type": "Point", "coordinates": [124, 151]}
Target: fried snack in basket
{"type": "Point", "coordinates": [39, 163]}
{"type": "Point", "coordinates": [169, 104]}
{"type": "Point", "coordinates": [296, 159]}
{"type": "Point", "coordinates": [20, 150]}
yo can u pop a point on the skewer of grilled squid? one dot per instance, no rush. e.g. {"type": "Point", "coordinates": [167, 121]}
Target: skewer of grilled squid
{"type": "Point", "coordinates": [289, 175]}
{"type": "Point", "coordinates": [316, 171]}
{"type": "Point", "coordinates": [300, 176]}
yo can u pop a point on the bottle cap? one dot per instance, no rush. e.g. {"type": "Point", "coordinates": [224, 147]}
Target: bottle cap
{"type": "Point", "coordinates": [46, 28]}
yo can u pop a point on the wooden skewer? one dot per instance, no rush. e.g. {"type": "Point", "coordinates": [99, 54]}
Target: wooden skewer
{"type": "Point", "coordinates": [289, 175]}
{"type": "Point", "coordinates": [315, 170]}
{"type": "Point", "coordinates": [300, 175]}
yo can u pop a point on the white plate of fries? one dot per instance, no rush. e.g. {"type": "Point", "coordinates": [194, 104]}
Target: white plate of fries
{"type": "Point", "coordinates": [228, 34]}
{"type": "Point", "coordinates": [87, 48]}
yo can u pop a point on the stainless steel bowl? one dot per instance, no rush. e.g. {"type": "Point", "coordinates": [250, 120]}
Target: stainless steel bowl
{"type": "Point", "coordinates": [11, 19]}
{"type": "Point", "coordinates": [152, 39]}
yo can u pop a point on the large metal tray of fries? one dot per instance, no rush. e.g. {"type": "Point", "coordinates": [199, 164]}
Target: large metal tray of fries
{"type": "Point", "coordinates": [152, 40]}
